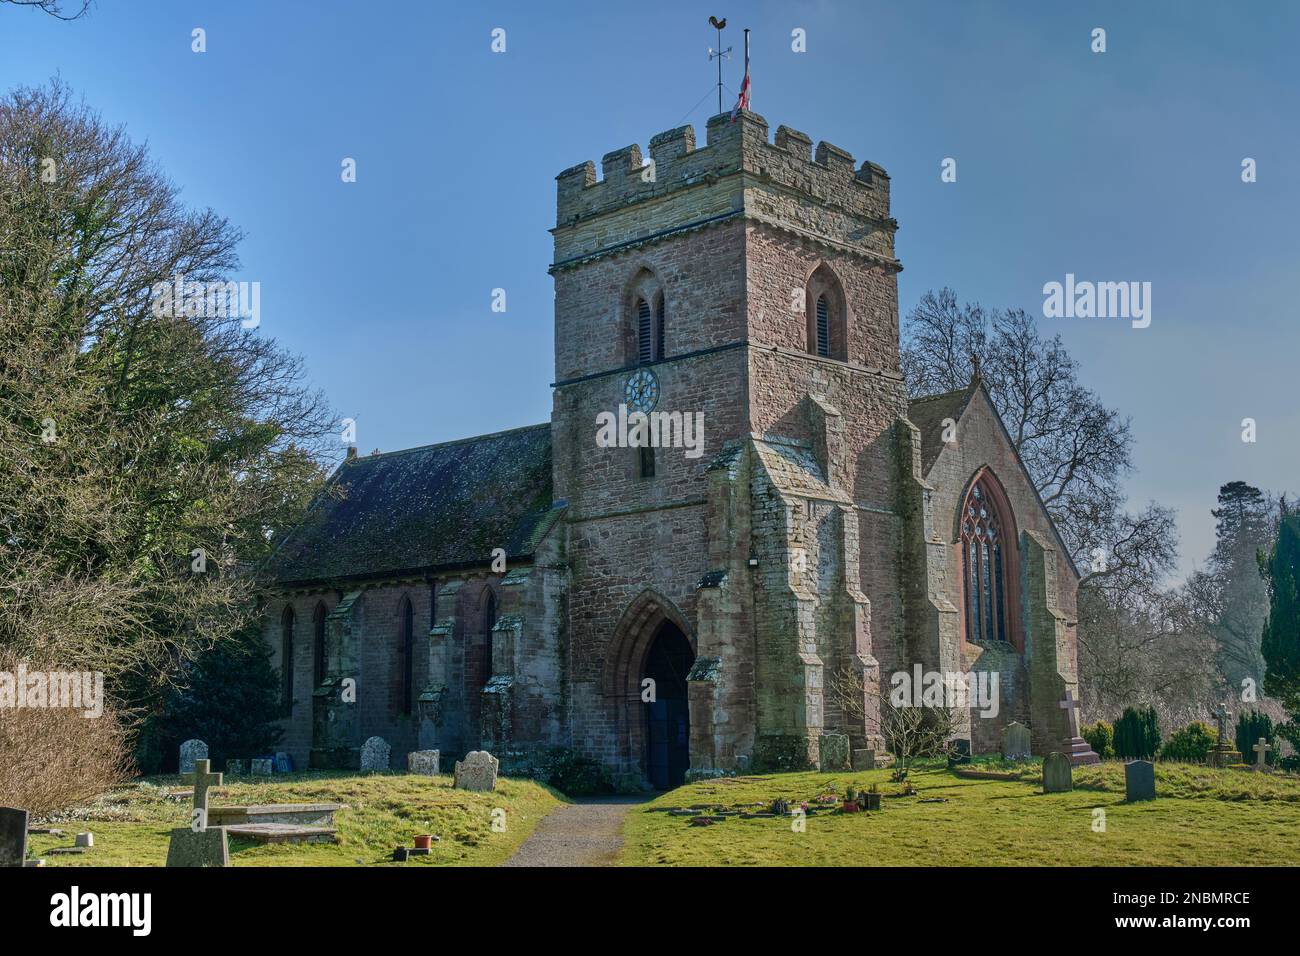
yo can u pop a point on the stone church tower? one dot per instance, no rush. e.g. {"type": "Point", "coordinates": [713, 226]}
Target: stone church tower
{"type": "Point", "coordinates": [702, 604]}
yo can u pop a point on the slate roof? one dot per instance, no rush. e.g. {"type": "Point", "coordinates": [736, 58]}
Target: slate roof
{"type": "Point", "coordinates": [420, 509]}
{"type": "Point", "coordinates": [928, 414]}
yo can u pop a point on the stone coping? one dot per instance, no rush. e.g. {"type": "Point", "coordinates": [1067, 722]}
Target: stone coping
{"type": "Point", "coordinates": [271, 808]}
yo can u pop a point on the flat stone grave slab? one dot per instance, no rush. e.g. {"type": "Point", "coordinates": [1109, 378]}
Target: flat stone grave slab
{"type": "Point", "coordinates": [282, 833]}
{"type": "Point", "coordinates": [984, 774]}
{"type": "Point", "coordinates": [297, 814]}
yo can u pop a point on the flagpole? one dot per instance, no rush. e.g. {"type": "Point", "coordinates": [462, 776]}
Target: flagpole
{"type": "Point", "coordinates": [747, 58]}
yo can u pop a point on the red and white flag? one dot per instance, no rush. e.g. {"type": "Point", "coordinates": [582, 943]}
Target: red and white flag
{"type": "Point", "coordinates": [742, 102]}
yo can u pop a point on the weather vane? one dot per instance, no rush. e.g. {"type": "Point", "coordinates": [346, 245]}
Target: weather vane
{"type": "Point", "coordinates": [719, 54]}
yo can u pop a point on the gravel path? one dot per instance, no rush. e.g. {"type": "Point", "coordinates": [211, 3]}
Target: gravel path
{"type": "Point", "coordinates": [588, 833]}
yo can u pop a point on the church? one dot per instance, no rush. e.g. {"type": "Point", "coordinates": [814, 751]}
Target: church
{"type": "Point", "coordinates": [675, 611]}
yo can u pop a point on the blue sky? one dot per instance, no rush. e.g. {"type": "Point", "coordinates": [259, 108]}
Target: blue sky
{"type": "Point", "coordinates": [1116, 166]}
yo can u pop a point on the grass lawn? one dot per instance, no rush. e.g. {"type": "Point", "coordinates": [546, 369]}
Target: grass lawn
{"type": "Point", "coordinates": [132, 824]}
{"type": "Point", "coordinates": [1202, 816]}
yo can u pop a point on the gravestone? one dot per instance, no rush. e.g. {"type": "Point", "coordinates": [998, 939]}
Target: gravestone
{"type": "Point", "coordinates": [199, 844]}
{"type": "Point", "coordinates": [1058, 774]}
{"type": "Point", "coordinates": [958, 752]}
{"type": "Point", "coordinates": [191, 751]}
{"type": "Point", "coordinates": [235, 768]}
{"type": "Point", "coordinates": [1139, 780]}
{"type": "Point", "coordinates": [283, 763]}
{"type": "Point", "coordinates": [203, 781]}
{"type": "Point", "coordinates": [1261, 753]}
{"type": "Point", "coordinates": [871, 759]}
{"type": "Point", "coordinates": [833, 752]}
{"type": "Point", "coordinates": [478, 771]}
{"type": "Point", "coordinates": [1079, 750]}
{"type": "Point", "coordinates": [198, 847]}
{"type": "Point", "coordinates": [374, 754]}
{"type": "Point", "coordinates": [1016, 741]}
{"type": "Point", "coordinates": [13, 837]}
{"type": "Point", "coordinates": [1223, 754]}
{"type": "Point", "coordinates": [261, 766]}
{"type": "Point", "coordinates": [424, 762]}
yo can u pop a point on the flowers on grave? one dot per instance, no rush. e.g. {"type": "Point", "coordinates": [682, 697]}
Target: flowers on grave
{"type": "Point", "coordinates": [850, 804]}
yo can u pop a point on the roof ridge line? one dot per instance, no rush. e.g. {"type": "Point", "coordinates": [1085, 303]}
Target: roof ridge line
{"type": "Point", "coordinates": [453, 441]}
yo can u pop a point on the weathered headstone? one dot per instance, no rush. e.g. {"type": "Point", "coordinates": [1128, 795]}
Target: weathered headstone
{"type": "Point", "coordinates": [261, 766]}
{"type": "Point", "coordinates": [374, 754]}
{"type": "Point", "coordinates": [283, 763]}
{"type": "Point", "coordinates": [1058, 775]}
{"type": "Point", "coordinates": [86, 840]}
{"type": "Point", "coordinates": [478, 771]}
{"type": "Point", "coordinates": [198, 847]}
{"type": "Point", "coordinates": [235, 768]}
{"type": "Point", "coordinates": [1139, 780]}
{"type": "Point", "coordinates": [13, 837]}
{"type": "Point", "coordinates": [203, 781]}
{"type": "Point", "coordinates": [191, 751]}
{"type": "Point", "coordinates": [833, 752]}
{"type": "Point", "coordinates": [1261, 753]}
{"type": "Point", "coordinates": [1224, 754]}
{"type": "Point", "coordinates": [1017, 743]}
{"type": "Point", "coordinates": [869, 758]}
{"type": "Point", "coordinates": [423, 762]}
{"type": "Point", "coordinates": [958, 752]}
{"type": "Point", "coordinates": [199, 844]}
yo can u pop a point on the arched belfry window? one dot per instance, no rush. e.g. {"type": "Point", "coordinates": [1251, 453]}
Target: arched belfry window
{"type": "Point", "coordinates": [286, 658]}
{"type": "Point", "coordinates": [823, 327]}
{"type": "Point", "coordinates": [828, 318]}
{"type": "Point", "coordinates": [646, 340]}
{"type": "Point", "coordinates": [644, 332]}
{"type": "Point", "coordinates": [988, 558]}
{"type": "Point", "coordinates": [660, 351]}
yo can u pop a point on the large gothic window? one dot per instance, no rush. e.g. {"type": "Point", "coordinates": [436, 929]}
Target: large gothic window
{"type": "Point", "coordinates": [986, 565]}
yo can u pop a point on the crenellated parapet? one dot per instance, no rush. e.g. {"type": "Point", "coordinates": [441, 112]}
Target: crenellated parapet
{"type": "Point", "coordinates": [739, 171]}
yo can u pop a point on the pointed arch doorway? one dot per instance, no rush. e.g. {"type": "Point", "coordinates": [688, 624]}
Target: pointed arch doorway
{"type": "Point", "coordinates": [667, 718]}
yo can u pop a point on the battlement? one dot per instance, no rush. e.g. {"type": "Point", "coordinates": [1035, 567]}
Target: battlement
{"type": "Point", "coordinates": [826, 176]}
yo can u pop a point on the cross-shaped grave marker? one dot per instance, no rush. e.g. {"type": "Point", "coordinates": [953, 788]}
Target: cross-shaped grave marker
{"type": "Point", "coordinates": [1261, 749]}
{"type": "Point", "coordinates": [1071, 707]}
{"type": "Point", "coordinates": [203, 781]}
{"type": "Point", "coordinates": [1221, 714]}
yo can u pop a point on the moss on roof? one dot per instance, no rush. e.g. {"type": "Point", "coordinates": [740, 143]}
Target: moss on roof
{"type": "Point", "coordinates": [446, 505]}
{"type": "Point", "coordinates": [928, 414]}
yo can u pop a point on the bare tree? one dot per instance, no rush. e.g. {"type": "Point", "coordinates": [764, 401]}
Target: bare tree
{"type": "Point", "coordinates": [54, 8]}
{"type": "Point", "coordinates": [1075, 449]}
{"type": "Point", "coordinates": [908, 732]}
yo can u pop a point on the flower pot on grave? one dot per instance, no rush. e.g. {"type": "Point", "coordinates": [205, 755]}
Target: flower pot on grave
{"type": "Point", "coordinates": [849, 806]}
{"type": "Point", "coordinates": [424, 841]}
